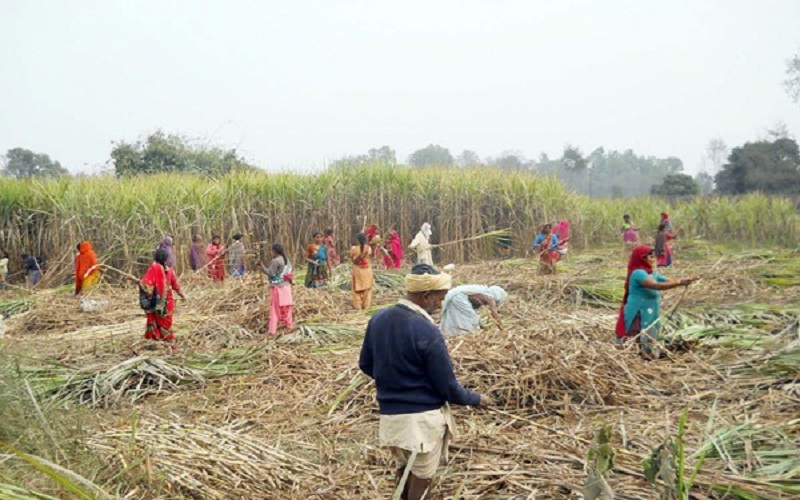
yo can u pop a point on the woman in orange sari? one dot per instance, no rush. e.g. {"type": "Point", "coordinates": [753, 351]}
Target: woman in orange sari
{"type": "Point", "coordinates": [87, 270]}
{"type": "Point", "coordinates": [158, 283]}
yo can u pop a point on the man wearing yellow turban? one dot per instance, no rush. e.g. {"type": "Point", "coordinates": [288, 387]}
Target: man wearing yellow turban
{"type": "Point", "coordinates": [405, 353]}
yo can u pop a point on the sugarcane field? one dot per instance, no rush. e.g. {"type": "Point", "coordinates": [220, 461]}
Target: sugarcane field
{"type": "Point", "coordinates": [351, 250]}
{"type": "Point", "coordinates": [98, 403]}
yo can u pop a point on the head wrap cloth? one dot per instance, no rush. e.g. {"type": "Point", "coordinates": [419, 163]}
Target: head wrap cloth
{"type": "Point", "coordinates": [420, 283]}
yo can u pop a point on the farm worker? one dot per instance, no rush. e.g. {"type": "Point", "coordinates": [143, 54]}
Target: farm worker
{"type": "Point", "coordinates": [405, 353]}
{"type": "Point", "coordinates": [422, 245]}
{"type": "Point", "coordinates": [33, 266]}
{"type": "Point", "coordinates": [87, 270]}
{"type": "Point", "coordinates": [317, 260]}
{"type": "Point", "coordinates": [197, 253]}
{"type": "Point", "coordinates": [361, 278]}
{"type": "Point", "coordinates": [330, 245]}
{"type": "Point", "coordinates": [374, 240]}
{"type": "Point", "coordinates": [629, 236]}
{"type": "Point", "coordinates": [666, 220]}
{"type": "Point", "coordinates": [546, 247]}
{"type": "Point", "coordinates": [166, 245]}
{"type": "Point", "coordinates": [459, 311]}
{"type": "Point", "coordinates": [393, 251]}
{"type": "Point", "coordinates": [371, 232]}
{"type": "Point", "coordinates": [564, 234]}
{"type": "Point", "coordinates": [215, 252]}
{"type": "Point", "coordinates": [663, 248]}
{"type": "Point", "coordinates": [639, 313]}
{"type": "Point", "coordinates": [279, 273]}
{"type": "Point", "coordinates": [236, 256]}
{"type": "Point", "coordinates": [158, 282]}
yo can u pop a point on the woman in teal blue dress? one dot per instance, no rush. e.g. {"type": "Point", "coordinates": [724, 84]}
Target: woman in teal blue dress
{"type": "Point", "coordinates": [639, 314]}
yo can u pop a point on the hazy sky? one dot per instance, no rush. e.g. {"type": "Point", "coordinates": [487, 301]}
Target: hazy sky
{"type": "Point", "coordinates": [296, 84]}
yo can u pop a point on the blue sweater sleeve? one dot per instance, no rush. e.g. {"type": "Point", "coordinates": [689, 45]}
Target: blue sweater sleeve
{"type": "Point", "coordinates": [439, 368]}
{"type": "Point", "coordinates": [365, 360]}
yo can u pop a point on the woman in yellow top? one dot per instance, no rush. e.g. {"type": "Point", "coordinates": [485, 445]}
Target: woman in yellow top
{"type": "Point", "coordinates": [362, 279]}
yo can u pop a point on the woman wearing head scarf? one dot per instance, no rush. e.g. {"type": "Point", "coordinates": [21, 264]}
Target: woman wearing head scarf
{"type": "Point", "coordinates": [459, 312]}
{"type": "Point", "coordinates": [666, 221]}
{"type": "Point", "coordinates": [639, 314]}
{"type": "Point", "coordinates": [87, 270]}
{"type": "Point", "coordinates": [215, 252]}
{"type": "Point", "coordinates": [663, 248]}
{"type": "Point", "coordinates": [422, 245]}
{"type": "Point", "coordinates": [563, 234]}
{"type": "Point", "coordinates": [197, 253]}
{"type": "Point", "coordinates": [393, 255]}
{"type": "Point", "coordinates": [157, 284]}
{"type": "Point", "coordinates": [361, 280]}
{"type": "Point", "coordinates": [166, 245]}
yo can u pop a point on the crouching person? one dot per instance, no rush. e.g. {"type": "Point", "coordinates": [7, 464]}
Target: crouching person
{"type": "Point", "coordinates": [406, 354]}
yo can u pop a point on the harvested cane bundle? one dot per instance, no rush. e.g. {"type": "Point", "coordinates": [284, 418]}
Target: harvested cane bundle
{"type": "Point", "coordinates": [134, 378]}
{"type": "Point", "coordinates": [321, 334]}
{"type": "Point", "coordinates": [203, 461]}
{"type": "Point", "coordinates": [12, 307]}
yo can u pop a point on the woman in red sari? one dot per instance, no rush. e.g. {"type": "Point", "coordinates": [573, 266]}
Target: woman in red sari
{"type": "Point", "coordinates": [158, 282]}
{"type": "Point", "coordinates": [393, 257]}
{"type": "Point", "coordinates": [216, 264]}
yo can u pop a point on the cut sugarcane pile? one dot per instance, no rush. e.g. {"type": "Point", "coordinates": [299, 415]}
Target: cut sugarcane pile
{"type": "Point", "coordinates": [321, 334]}
{"type": "Point", "coordinates": [13, 307]}
{"type": "Point", "coordinates": [742, 326]}
{"type": "Point", "coordinates": [134, 378]}
{"type": "Point", "coordinates": [202, 461]}
{"type": "Point", "coordinates": [384, 278]}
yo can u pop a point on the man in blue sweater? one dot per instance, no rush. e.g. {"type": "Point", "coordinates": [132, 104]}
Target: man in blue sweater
{"type": "Point", "coordinates": [405, 353]}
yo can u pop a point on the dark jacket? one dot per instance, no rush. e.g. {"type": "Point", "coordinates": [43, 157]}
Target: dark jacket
{"type": "Point", "coordinates": [406, 355]}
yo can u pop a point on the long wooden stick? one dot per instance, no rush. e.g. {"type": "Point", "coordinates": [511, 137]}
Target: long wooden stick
{"type": "Point", "coordinates": [686, 290]}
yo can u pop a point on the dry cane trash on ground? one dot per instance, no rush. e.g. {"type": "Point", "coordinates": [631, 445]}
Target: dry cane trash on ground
{"type": "Point", "coordinates": [301, 422]}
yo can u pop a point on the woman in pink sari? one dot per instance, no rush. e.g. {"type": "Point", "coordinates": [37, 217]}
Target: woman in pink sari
{"type": "Point", "coordinates": [393, 256]}
{"type": "Point", "coordinates": [563, 234]}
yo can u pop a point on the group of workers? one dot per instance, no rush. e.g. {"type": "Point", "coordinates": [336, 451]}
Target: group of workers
{"type": "Point", "coordinates": [403, 348]}
{"type": "Point", "coordinates": [662, 246]}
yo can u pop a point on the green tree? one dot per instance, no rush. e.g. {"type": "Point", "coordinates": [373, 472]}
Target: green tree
{"type": "Point", "coordinates": [676, 185]}
{"type": "Point", "coordinates": [766, 166]}
{"type": "Point", "coordinates": [24, 164]}
{"type": "Point", "coordinates": [160, 152]}
{"type": "Point", "coordinates": [433, 154]}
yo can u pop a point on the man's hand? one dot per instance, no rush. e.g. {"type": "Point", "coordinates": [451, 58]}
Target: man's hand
{"type": "Point", "coordinates": [485, 401]}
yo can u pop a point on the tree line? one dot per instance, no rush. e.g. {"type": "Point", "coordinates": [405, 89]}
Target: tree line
{"type": "Point", "coordinates": [769, 165]}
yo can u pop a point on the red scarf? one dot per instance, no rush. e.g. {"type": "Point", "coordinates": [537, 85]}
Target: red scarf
{"type": "Point", "coordinates": [637, 261]}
